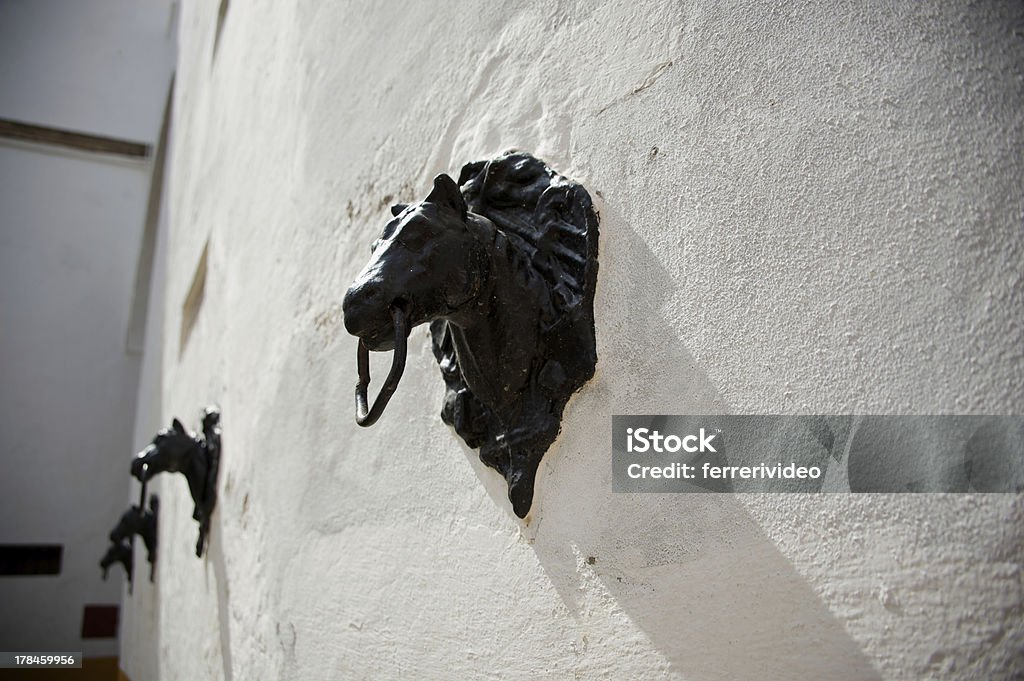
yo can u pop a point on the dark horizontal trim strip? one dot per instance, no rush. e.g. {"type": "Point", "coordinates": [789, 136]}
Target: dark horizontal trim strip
{"type": "Point", "coordinates": [75, 140]}
{"type": "Point", "coordinates": [30, 559]}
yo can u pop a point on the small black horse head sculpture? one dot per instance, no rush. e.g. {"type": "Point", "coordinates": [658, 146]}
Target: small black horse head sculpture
{"type": "Point", "coordinates": [173, 450]}
{"type": "Point", "coordinates": [504, 268]}
{"type": "Point", "coordinates": [176, 450]}
{"type": "Point", "coordinates": [136, 521]}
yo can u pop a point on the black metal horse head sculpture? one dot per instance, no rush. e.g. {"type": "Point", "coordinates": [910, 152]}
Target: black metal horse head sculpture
{"type": "Point", "coordinates": [137, 521]}
{"type": "Point", "coordinates": [504, 268]}
{"type": "Point", "coordinates": [176, 450]}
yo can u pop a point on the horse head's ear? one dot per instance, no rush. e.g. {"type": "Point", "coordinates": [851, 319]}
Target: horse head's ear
{"type": "Point", "coordinates": [397, 209]}
{"type": "Point", "coordinates": [178, 427]}
{"type": "Point", "coordinates": [446, 193]}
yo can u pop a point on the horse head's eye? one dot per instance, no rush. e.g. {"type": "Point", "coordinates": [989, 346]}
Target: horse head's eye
{"type": "Point", "coordinates": [414, 240]}
{"type": "Point", "coordinates": [415, 234]}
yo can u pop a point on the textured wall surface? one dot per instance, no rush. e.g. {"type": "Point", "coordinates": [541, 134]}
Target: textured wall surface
{"type": "Point", "coordinates": [805, 208]}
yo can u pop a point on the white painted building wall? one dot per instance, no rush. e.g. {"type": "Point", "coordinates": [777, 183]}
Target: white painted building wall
{"type": "Point", "coordinates": [805, 208]}
{"type": "Point", "coordinates": [71, 228]}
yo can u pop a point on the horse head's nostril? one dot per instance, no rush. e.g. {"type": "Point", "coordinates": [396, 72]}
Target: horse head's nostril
{"type": "Point", "coordinates": [401, 304]}
{"type": "Point", "coordinates": [358, 306]}
{"type": "Point", "coordinates": [354, 297]}
{"type": "Point", "coordinates": [367, 312]}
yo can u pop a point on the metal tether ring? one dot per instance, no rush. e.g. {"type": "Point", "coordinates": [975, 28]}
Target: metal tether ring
{"type": "Point", "coordinates": [366, 417]}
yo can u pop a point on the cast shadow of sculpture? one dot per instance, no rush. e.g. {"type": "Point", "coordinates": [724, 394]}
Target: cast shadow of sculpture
{"type": "Point", "coordinates": [705, 585]}
{"type": "Point", "coordinates": [948, 453]}
{"type": "Point", "coordinates": [176, 450]}
{"type": "Point", "coordinates": [504, 269]}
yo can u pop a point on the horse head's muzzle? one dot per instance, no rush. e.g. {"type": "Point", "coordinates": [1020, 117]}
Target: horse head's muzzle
{"type": "Point", "coordinates": [366, 307]}
{"type": "Point", "coordinates": [139, 465]}
{"type": "Point", "coordinates": [377, 337]}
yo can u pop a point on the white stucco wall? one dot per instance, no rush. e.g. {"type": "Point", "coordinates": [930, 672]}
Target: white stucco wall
{"type": "Point", "coordinates": [804, 209]}
{"type": "Point", "coordinates": [71, 224]}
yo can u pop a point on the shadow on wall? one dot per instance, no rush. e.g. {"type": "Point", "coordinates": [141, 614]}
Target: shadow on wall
{"type": "Point", "coordinates": [693, 571]}
{"type": "Point", "coordinates": [156, 598]}
{"type": "Point", "coordinates": [215, 552]}
{"type": "Point", "coordinates": [140, 612]}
